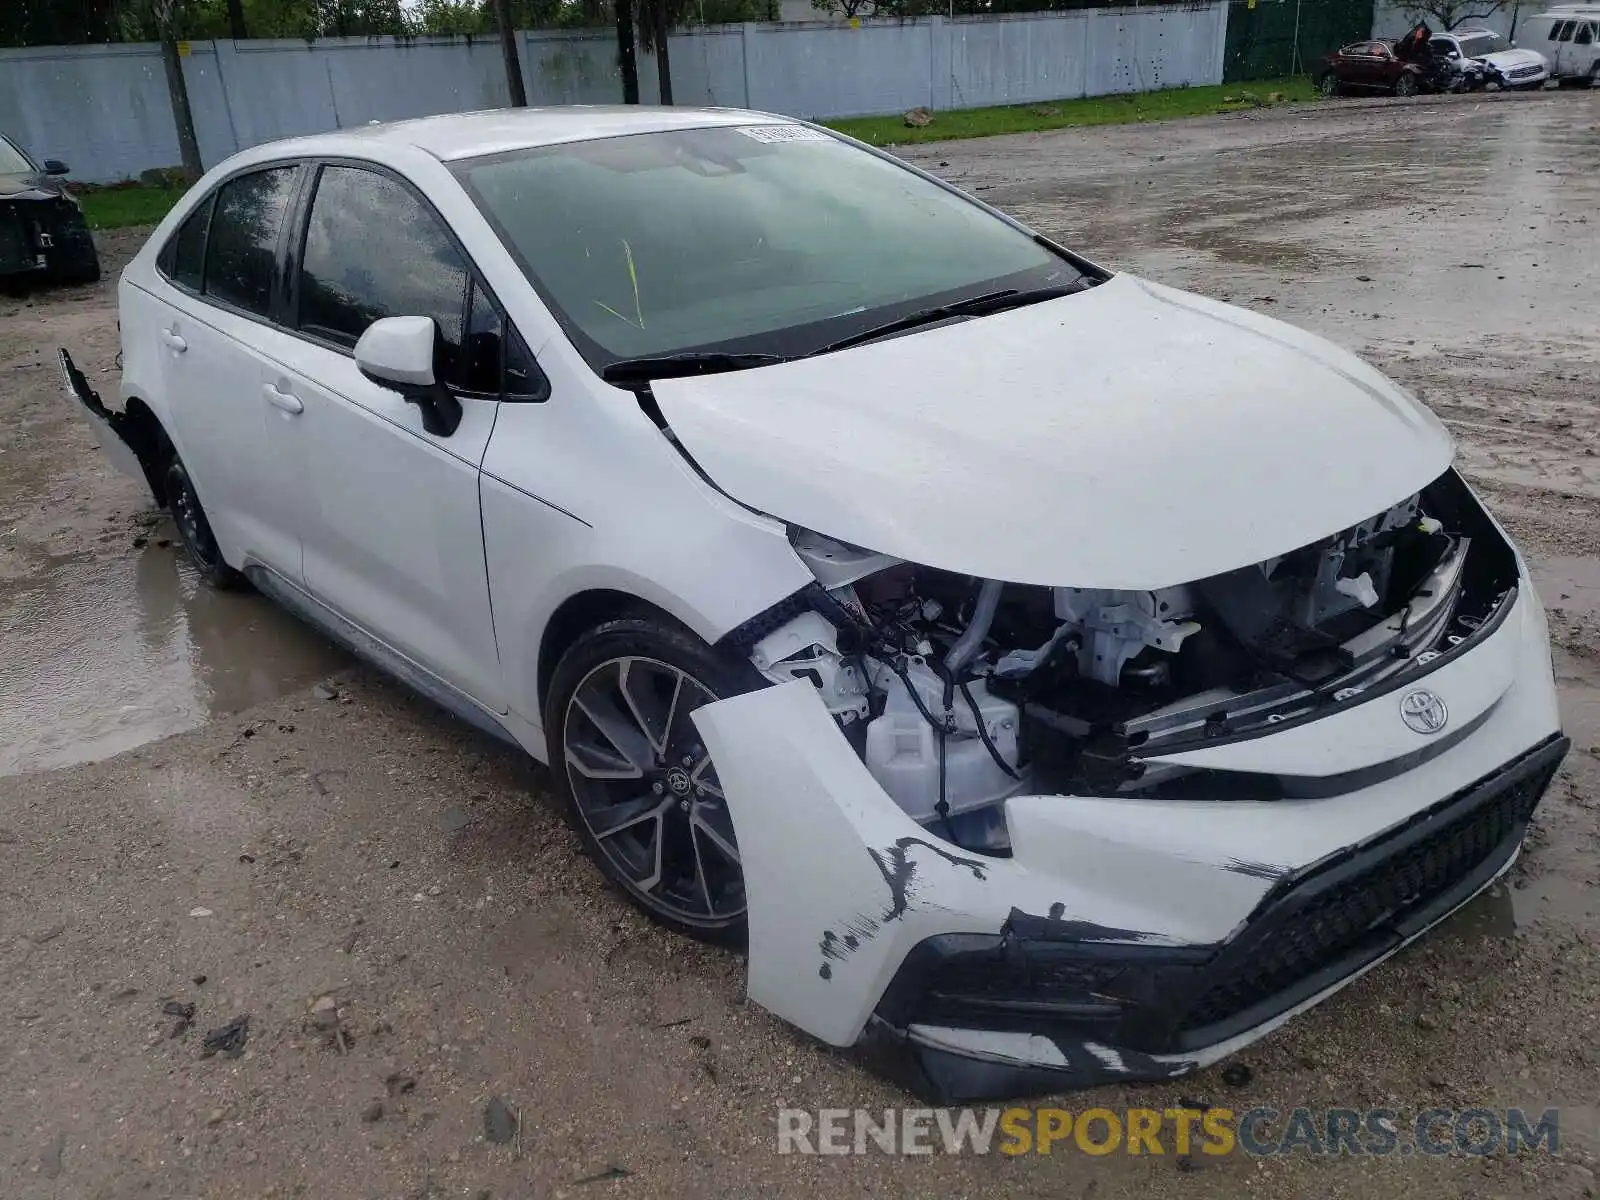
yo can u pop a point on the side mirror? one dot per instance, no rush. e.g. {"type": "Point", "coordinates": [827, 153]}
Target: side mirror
{"type": "Point", "coordinates": [402, 354]}
{"type": "Point", "coordinates": [54, 166]}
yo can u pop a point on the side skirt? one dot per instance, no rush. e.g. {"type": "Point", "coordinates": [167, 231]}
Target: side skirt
{"type": "Point", "coordinates": [368, 648]}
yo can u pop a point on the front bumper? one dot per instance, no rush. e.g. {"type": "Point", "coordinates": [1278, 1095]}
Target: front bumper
{"type": "Point", "coordinates": [1124, 938]}
{"type": "Point", "coordinates": [1524, 77]}
{"type": "Point", "coordinates": [972, 1020]}
{"type": "Point", "coordinates": [45, 238]}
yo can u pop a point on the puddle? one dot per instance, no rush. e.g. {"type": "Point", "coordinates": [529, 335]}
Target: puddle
{"type": "Point", "coordinates": [107, 653]}
{"type": "Point", "coordinates": [1505, 909]}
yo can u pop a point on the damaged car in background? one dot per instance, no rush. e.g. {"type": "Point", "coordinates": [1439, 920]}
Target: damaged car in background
{"type": "Point", "coordinates": [42, 231]}
{"type": "Point", "coordinates": [1050, 676]}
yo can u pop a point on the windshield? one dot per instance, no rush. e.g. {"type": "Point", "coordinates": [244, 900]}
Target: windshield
{"type": "Point", "coordinates": [771, 239]}
{"type": "Point", "coordinates": [1483, 43]}
{"type": "Point", "coordinates": [13, 161]}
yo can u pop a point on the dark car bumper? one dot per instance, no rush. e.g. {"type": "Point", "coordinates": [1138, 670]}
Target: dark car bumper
{"type": "Point", "coordinates": [46, 237]}
{"type": "Point", "coordinates": [1096, 1013]}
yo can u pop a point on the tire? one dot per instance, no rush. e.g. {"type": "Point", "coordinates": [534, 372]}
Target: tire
{"type": "Point", "coordinates": [1328, 85]}
{"type": "Point", "coordinates": [646, 809]}
{"type": "Point", "coordinates": [1594, 75]}
{"type": "Point", "coordinates": [194, 531]}
{"type": "Point", "coordinates": [1406, 85]}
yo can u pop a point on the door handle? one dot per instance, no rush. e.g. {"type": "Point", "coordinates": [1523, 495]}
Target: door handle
{"type": "Point", "coordinates": [288, 401]}
{"type": "Point", "coordinates": [175, 342]}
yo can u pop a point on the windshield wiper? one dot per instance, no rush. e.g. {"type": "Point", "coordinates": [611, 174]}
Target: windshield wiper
{"type": "Point", "coordinates": [694, 362]}
{"type": "Point", "coordinates": [972, 306]}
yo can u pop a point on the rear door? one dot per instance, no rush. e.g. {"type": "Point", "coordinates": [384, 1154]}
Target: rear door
{"type": "Point", "coordinates": [395, 544]}
{"type": "Point", "coordinates": [222, 284]}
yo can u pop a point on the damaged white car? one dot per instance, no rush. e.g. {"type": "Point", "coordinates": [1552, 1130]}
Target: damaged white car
{"type": "Point", "coordinates": [1055, 677]}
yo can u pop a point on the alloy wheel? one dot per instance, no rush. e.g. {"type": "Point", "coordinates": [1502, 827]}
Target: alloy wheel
{"type": "Point", "coordinates": [645, 788]}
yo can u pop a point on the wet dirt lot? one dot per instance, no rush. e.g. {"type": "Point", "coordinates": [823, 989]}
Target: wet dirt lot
{"type": "Point", "coordinates": [184, 816]}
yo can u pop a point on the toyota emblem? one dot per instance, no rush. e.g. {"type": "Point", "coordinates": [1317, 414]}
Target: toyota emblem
{"type": "Point", "coordinates": [1423, 711]}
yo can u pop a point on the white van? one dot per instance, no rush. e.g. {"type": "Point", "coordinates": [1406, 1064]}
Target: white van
{"type": "Point", "coordinates": [1569, 36]}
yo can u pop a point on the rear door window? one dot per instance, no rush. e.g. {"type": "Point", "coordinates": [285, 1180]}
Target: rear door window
{"type": "Point", "coordinates": [189, 247]}
{"type": "Point", "coordinates": [1584, 36]}
{"type": "Point", "coordinates": [242, 246]}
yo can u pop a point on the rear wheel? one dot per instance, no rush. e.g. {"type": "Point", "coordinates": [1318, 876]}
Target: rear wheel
{"type": "Point", "coordinates": [194, 531]}
{"type": "Point", "coordinates": [641, 790]}
{"type": "Point", "coordinates": [1406, 85]}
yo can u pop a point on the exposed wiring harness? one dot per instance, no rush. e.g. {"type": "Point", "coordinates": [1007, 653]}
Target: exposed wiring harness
{"type": "Point", "coordinates": [941, 729]}
{"type": "Point", "coordinates": [983, 732]}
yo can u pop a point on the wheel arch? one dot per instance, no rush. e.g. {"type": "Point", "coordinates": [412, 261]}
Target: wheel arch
{"type": "Point", "coordinates": [581, 612]}
{"type": "Point", "coordinates": [150, 443]}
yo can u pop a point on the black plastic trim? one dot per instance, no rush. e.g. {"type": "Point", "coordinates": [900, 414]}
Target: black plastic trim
{"type": "Point", "coordinates": [1163, 983]}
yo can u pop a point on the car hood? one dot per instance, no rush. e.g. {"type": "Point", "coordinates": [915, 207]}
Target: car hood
{"type": "Point", "coordinates": [1130, 436]}
{"type": "Point", "coordinates": [1508, 59]}
{"type": "Point", "coordinates": [28, 187]}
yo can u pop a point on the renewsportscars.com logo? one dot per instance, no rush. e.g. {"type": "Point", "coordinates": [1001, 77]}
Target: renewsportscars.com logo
{"type": "Point", "coordinates": [1259, 1132]}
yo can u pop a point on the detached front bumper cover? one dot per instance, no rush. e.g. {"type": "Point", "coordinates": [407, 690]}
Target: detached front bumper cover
{"type": "Point", "coordinates": [1124, 938]}
{"type": "Point", "coordinates": [1127, 1013]}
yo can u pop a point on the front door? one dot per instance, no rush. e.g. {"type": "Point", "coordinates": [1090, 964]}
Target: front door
{"type": "Point", "coordinates": [1386, 68]}
{"type": "Point", "coordinates": [1560, 53]}
{"type": "Point", "coordinates": [395, 544]}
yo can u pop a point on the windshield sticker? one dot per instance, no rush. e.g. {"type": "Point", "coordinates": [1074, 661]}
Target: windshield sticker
{"type": "Point", "coordinates": [782, 133]}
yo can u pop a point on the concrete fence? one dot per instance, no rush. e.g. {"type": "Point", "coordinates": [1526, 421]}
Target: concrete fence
{"type": "Point", "coordinates": [104, 109]}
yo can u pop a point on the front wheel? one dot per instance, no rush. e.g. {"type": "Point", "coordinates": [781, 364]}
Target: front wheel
{"type": "Point", "coordinates": [1406, 85]}
{"type": "Point", "coordinates": [641, 791]}
{"type": "Point", "coordinates": [1328, 85]}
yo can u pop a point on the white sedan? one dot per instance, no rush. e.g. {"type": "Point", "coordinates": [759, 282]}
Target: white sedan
{"type": "Point", "coordinates": [1513, 67]}
{"type": "Point", "coordinates": [1051, 676]}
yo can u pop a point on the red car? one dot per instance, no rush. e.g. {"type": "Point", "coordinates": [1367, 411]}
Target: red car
{"type": "Point", "coordinates": [1368, 66]}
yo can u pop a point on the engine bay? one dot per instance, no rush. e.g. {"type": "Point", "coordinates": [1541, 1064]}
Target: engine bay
{"type": "Point", "coordinates": [958, 692]}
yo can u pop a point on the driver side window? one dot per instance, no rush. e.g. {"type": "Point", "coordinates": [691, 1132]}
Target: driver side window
{"type": "Point", "coordinates": [374, 249]}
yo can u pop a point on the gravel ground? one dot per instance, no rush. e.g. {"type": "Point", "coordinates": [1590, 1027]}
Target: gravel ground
{"type": "Point", "coordinates": [205, 804]}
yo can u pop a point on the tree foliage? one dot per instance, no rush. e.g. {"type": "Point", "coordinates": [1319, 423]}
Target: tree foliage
{"type": "Point", "coordinates": [1447, 14]}
{"type": "Point", "coordinates": [68, 22]}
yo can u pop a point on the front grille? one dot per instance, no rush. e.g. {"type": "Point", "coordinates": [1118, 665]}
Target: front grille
{"type": "Point", "coordinates": [1523, 72]}
{"type": "Point", "coordinates": [64, 224]}
{"type": "Point", "coordinates": [1313, 925]}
